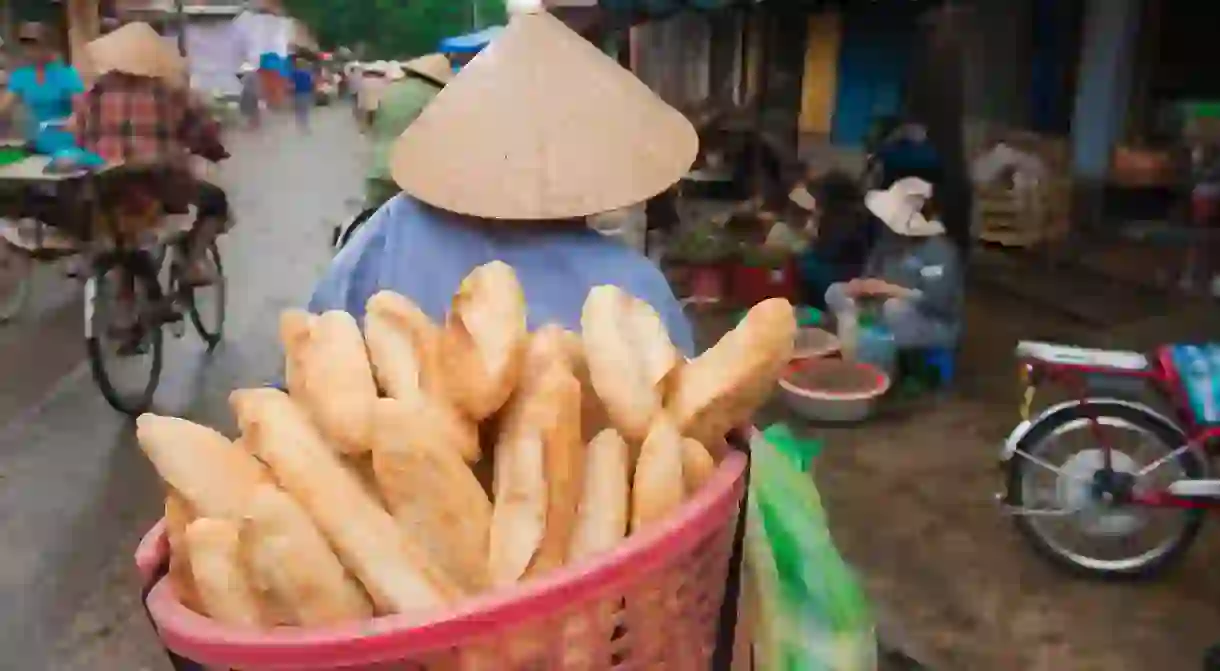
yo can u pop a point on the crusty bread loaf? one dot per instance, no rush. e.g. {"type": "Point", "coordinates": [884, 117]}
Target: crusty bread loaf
{"type": "Point", "coordinates": [484, 339]}
{"type": "Point", "coordinates": [722, 388]}
{"type": "Point", "coordinates": [396, 572]}
{"type": "Point", "coordinates": [629, 356]}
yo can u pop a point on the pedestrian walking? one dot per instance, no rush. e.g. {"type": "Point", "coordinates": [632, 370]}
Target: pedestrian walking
{"type": "Point", "coordinates": [250, 102]}
{"type": "Point", "coordinates": [302, 91]}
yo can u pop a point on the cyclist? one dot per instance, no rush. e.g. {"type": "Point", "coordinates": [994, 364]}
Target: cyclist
{"type": "Point", "coordinates": [139, 112]}
{"type": "Point", "coordinates": [45, 87]}
{"type": "Point", "coordinates": [506, 164]}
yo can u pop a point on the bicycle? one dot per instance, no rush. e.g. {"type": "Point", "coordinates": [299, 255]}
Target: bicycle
{"type": "Point", "coordinates": [155, 303]}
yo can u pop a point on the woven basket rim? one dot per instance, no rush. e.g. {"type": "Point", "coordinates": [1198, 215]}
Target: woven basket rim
{"type": "Point", "coordinates": [404, 636]}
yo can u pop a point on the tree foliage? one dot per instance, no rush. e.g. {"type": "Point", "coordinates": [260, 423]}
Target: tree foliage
{"type": "Point", "coordinates": [394, 28]}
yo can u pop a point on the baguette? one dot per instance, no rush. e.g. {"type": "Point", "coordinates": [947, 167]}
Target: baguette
{"type": "Point", "coordinates": [550, 407]}
{"type": "Point", "coordinates": [432, 493]}
{"type": "Point", "coordinates": [484, 339]}
{"type": "Point", "coordinates": [394, 570]}
{"type": "Point", "coordinates": [518, 518]}
{"type": "Point", "coordinates": [403, 345]}
{"type": "Point", "coordinates": [698, 466]}
{"type": "Point", "coordinates": [601, 518]}
{"type": "Point", "coordinates": [333, 379]}
{"type": "Point", "coordinates": [212, 475]}
{"type": "Point", "coordinates": [295, 329]}
{"type": "Point", "coordinates": [288, 555]}
{"type": "Point", "coordinates": [721, 389]}
{"type": "Point", "coordinates": [630, 358]}
{"type": "Point", "coordinates": [178, 516]}
{"type": "Point", "coordinates": [228, 597]}
{"type": "Point", "coordinates": [659, 486]}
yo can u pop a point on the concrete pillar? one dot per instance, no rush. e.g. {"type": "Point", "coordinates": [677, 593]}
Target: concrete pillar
{"type": "Point", "coordinates": [1103, 89]}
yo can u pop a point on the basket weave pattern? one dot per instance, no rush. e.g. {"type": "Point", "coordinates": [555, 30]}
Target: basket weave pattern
{"type": "Point", "coordinates": [664, 620]}
{"type": "Point", "coordinates": [654, 605]}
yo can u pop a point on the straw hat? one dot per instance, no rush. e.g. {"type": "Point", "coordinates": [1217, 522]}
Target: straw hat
{"type": "Point", "coordinates": [901, 208]}
{"type": "Point", "coordinates": [542, 125]}
{"type": "Point", "coordinates": [394, 71]}
{"type": "Point", "coordinates": [433, 67]}
{"type": "Point", "coordinates": [136, 49]}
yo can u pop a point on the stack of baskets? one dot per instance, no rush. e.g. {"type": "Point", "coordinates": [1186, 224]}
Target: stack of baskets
{"type": "Point", "coordinates": [1006, 214]}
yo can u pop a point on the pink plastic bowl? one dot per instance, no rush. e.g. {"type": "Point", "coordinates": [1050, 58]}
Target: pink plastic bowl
{"type": "Point", "coordinates": [821, 405]}
{"type": "Point", "coordinates": [696, 541]}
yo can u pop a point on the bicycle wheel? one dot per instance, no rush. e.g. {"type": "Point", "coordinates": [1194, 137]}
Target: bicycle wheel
{"type": "Point", "coordinates": [125, 358]}
{"type": "Point", "coordinates": [16, 275]}
{"type": "Point", "coordinates": [206, 305]}
{"type": "Point", "coordinates": [1073, 525]}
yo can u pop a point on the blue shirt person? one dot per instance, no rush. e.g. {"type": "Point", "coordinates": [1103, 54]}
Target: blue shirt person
{"type": "Point", "coordinates": [509, 173]}
{"type": "Point", "coordinates": [302, 80]}
{"type": "Point", "coordinates": [424, 253]}
{"type": "Point", "coordinates": [45, 88]}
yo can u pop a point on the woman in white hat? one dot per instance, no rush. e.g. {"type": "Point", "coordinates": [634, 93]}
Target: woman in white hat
{"type": "Point", "coordinates": [538, 132]}
{"type": "Point", "coordinates": [914, 271]}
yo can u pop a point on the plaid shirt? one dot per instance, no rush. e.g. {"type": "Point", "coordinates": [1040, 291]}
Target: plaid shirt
{"type": "Point", "coordinates": [134, 121]}
{"type": "Point", "coordinates": [142, 120]}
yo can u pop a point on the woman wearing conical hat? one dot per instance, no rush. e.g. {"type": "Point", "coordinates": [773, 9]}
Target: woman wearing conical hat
{"type": "Point", "coordinates": [538, 132]}
{"type": "Point", "coordinates": [401, 104]}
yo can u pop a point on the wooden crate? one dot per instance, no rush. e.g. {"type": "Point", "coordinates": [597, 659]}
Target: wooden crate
{"type": "Point", "coordinates": [1004, 217]}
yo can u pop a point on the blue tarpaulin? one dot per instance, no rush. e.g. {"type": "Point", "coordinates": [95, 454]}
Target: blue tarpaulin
{"type": "Point", "coordinates": [471, 42]}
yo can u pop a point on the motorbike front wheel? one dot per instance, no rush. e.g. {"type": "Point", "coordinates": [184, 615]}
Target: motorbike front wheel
{"type": "Point", "coordinates": [1073, 519]}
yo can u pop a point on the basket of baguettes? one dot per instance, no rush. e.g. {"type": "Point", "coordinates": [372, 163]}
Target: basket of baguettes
{"type": "Point", "coordinates": [464, 495]}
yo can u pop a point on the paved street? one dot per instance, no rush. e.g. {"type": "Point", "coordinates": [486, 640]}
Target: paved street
{"type": "Point", "coordinates": [75, 492]}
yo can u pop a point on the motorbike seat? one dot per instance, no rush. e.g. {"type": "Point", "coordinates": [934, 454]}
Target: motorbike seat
{"type": "Point", "coordinates": [1085, 357]}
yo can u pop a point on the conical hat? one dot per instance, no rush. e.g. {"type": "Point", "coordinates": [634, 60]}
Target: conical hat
{"type": "Point", "coordinates": [136, 49]}
{"type": "Point", "coordinates": [433, 67]}
{"type": "Point", "coordinates": [542, 125]}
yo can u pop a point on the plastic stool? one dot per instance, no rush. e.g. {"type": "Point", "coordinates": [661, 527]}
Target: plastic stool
{"type": "Point", "coordinates": [943, 360]}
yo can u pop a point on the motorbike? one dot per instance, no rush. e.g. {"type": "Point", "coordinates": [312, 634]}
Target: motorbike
{"type": "Point", "coordinates": [1114, 481]}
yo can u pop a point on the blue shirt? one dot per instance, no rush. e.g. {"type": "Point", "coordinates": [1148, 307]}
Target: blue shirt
{"type": "Point", "coordinates": [302, 81]}
{"type": "Point", "coordinates": [270, 61]}
{"type": "Point", "coordinates": [424, 253]}
{"type": "Point", "coordinates": [49, 99]}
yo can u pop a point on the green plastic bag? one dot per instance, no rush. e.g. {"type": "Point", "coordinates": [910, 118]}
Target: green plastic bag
{"type": "Point", "coordinates": [811, 613]}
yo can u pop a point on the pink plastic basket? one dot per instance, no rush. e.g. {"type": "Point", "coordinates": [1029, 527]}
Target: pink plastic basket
{"type": "Point", "coordinates": [653, 603]}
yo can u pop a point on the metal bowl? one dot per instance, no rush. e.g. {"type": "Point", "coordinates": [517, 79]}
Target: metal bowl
{"type": "Point", "coordinates": [816, 403]}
